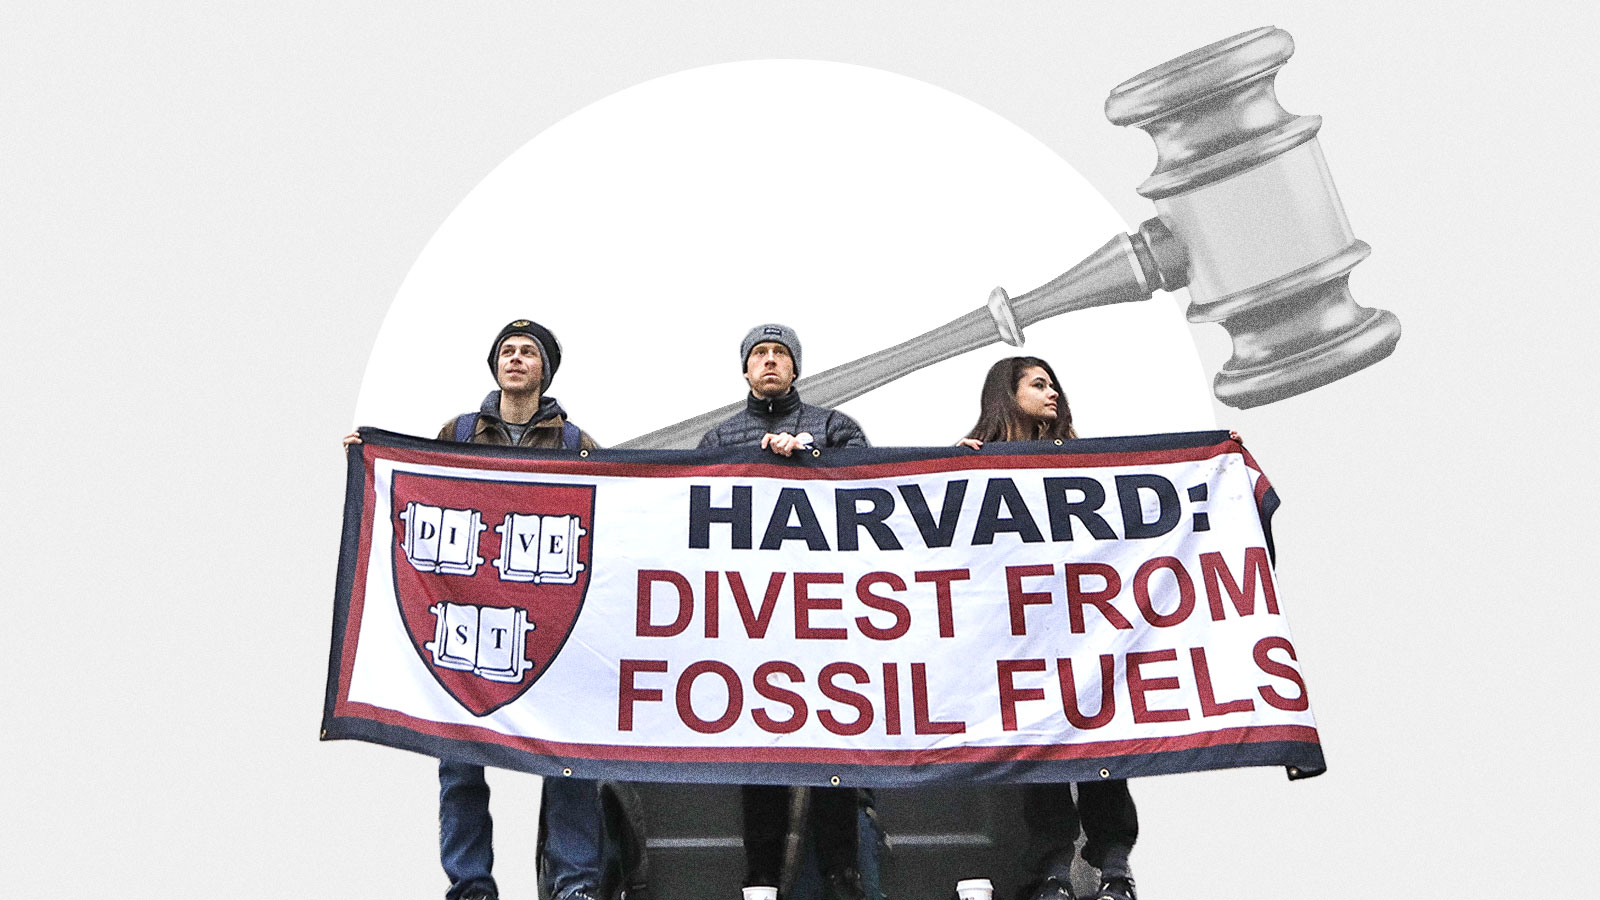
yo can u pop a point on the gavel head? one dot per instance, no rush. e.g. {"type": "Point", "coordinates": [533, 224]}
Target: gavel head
{"type": "Point", "coordinates": [1242, 184]}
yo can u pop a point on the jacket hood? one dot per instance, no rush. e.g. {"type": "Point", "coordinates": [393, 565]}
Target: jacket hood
{"type": "Point", "coordinates": [549, 408]}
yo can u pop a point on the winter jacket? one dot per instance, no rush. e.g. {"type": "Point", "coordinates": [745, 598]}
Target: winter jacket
{"type": "Point", "coordinates": [544, 435]}
{"type": "Point", "coordinates": [760, 416]}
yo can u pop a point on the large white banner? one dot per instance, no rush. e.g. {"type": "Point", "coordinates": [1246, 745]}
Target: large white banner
{"type": "Point", "coordinates": [1100, 608]}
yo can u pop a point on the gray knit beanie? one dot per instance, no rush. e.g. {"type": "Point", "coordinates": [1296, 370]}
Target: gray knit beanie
{"type": "Point", "coordinates": [780, 334]}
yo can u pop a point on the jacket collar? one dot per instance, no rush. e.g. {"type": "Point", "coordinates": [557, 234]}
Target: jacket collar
{"type": "Point", "coordinates": [777, 406]}
{"type": "Point", "coordinates": [549, 408]}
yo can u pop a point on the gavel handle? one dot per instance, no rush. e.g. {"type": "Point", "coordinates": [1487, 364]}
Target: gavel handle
{"type": "Point", "coordinates": [1128, 267]}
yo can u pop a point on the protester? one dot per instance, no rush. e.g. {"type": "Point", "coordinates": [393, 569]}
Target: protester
{"type": "Point", "coordinates": [523, 358]}
{"type": "Point", "coordinates": [774, 416]}
{"type": "Point", "coordinates": [1021, 401]}
{"type": "Point", "coordinates": [775, 419]}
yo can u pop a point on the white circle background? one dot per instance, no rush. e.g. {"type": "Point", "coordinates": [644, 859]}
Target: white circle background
{"type": "Point", "coordinates": [208, 211]}
{"type": "Point", "coordinates": [650, 230]}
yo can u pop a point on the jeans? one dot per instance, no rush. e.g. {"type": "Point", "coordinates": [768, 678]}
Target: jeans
{"type": "Point", "coordinates": [571, 830]}
{"type": "Point", "coordinates": [466, 833]}
{"type": "Point", "coordinates": [570, 823]}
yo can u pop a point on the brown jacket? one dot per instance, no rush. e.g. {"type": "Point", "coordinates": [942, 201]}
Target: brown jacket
{"type": "Point", "coordinates": [544, 435]}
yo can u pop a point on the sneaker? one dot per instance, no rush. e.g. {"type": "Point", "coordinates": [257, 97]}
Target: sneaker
{"type": "Point", "coordinates": [1116, 888]}
{"type": "Point", "coordinates": [478, 895]}
{"type": "Point", "coordinates": [1052, 888]}
{"type": "Point", "coordinates": [844, 884]}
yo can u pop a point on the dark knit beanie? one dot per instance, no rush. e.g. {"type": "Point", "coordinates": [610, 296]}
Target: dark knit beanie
{"type": "Point", "coordinates": [549, 348]}
{"type": "Point", "coordinates": [761, 334]}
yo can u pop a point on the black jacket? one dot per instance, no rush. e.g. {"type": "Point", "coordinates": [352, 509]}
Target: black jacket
{"type": "Point", "coordinates": [760, 416]}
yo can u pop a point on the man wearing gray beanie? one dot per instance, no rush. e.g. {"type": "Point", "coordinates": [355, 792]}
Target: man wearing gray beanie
{"type": "Point", "coordinates": [775, 419]}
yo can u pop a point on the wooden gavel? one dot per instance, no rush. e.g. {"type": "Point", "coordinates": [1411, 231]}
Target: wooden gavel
{"type": "Point", "coordinates": [1247, 219]}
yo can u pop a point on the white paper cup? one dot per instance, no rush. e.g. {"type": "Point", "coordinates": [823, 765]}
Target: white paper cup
{"type": "Point", "coordinates": [761, 892]}
{"type": "Point", "coordinates": [975, 889]}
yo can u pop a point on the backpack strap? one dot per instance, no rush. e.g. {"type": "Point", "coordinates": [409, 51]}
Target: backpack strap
{"type": "Point", "coordinates": [571, 437]}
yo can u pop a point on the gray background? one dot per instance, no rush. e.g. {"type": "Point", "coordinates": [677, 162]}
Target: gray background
{"type": "Point", "coordinates": [207, 208]}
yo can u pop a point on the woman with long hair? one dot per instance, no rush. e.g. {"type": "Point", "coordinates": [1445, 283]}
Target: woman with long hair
{"type": "Point", "coordinates": [1022, 401]}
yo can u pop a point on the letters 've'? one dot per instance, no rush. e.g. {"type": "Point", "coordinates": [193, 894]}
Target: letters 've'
{"type": "Point", "coordinates": [540, 549]}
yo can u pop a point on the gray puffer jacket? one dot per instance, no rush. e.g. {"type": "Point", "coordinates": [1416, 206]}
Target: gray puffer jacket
{"type": "Point", "coordinates": [760, 416]}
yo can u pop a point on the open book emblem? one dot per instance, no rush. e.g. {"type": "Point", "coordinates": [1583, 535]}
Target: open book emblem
{"type": "Point", "coordinates": [489, 609]}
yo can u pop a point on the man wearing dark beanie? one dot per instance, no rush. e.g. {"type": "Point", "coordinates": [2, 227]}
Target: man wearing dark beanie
{"type": "Point", "coordinates": [523, 359]}
{"type": "Point", "coordinates": [775, 419]}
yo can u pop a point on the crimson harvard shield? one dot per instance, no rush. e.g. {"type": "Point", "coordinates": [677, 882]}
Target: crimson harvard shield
{"type": "Point", "coordinates": [490, 578]}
